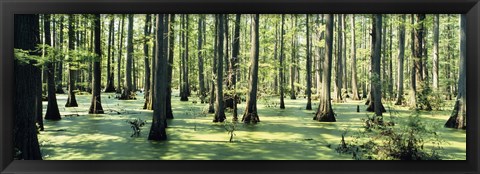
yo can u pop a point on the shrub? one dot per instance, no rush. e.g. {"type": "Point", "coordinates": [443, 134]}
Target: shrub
{"type": "Point", "coordinates": [393, 143]}
{"type": "Point", "coordinates": [136, 125]}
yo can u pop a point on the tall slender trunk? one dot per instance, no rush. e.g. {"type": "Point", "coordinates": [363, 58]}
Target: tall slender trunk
{"type": "Point", "coordinates": [211, 103]}
{"type": "Point", "coordinates": [309, 66]}
{"type": "Point", "coordinates": [282, 79]}
{"type": "Point", "coordinates": [110, 87]}
{"type": "Point", "coordinates": [59, 71]}
{"type": "Point", "coordinates": [52, 108]}
{"type": "Point", "coordinates": [157, 130]}
{"type": "Point", "coordinates": [401, 55]}
{"type": "Point", "coordinates": [146, 32]}
{"type": "Point", "coordinates": [128, 91]}
{"type": "Point", "coordinates": [234, 62]}
{"type": "Point", "coordinates": [377, 85]}
{"type": "Point", "coordinates": [339, 71]}
{"type": "Point", "coordinates": [250, 115]}
{"type": "Point", "coordinates": [71, 101]}
{"type": "Point", "coordinates": [355, 94]}
{"type": "Point", "coordinates": [200, 59]}
{"type": "Point", "coordinates": [184, 74]}
{"type": "Point", "coordinates": [325, 112]}
{"type": "Point", "coordinates": [96, 105]}
{"type": "Point", "coordinates": [119, 59]}
{"type": "Point", "coordinates": [458, 118]}
{"type": "Point", "coordinates": [219, 109]}
{"type": "Point", "coordinates": [168, 46]}
{"type": "Point", "coordinates": [375, 104]}
{"type": "Point", "coordinates": [293, 59]}
{"type": "Point", "coordinates": [436, 32]}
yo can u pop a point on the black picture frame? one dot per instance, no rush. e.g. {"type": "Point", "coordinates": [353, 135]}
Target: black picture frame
{"type": "Point", "coordinates": [10, 7]}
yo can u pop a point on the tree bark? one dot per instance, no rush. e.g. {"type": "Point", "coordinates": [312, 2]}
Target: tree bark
{"type": "Point", "coordinates": [401, 55]}
{"type": "Point", "coordinates": [377, 86]}
{"type": "Point", "coordinates": [71, 101]}
{"type": "Point", "coordinates": [418, 61]}
{"type": "Point", "coordinates": [309, 66]}
{"type": "Point", "coordinates": [128, 91]}
{"type": "Point", "coordinates": [211, 103]}
{"type": "Point", "coordinates": [219, 109]}
{"type": "Point", "coordinates": [52, 108]}
{"type": "Point", "coordinates": [146, 32]}
{"type": "Point", "coordinates": [282, 79]}
{"type": "Point", "coordinates": [110, 87]}
{"type": "Point", "coordinates": [234, 62]}
{"type": "Point", "coordinates": [26, 36]}
{"type": "Point", "coordinates": [436, 32]}
{"type": "Point", "coordinates": [59, 88]}
{"type": "Point", "coordinates": [157, 131]}
{"type": "Point", "coordinates": [250, 115]}
{"type": "Point", "coordinates": [293, 59]}
{"type": "Point", "coordinates": [325, 112]}
{"type": "Point", "coordinates": [119, 59]}
{"type": "Point", "coordinates": [375, 104]}
{"type": "Point", "coordinates": [458, 118]}
{"type": "Point", "coordinates": [201, 81]}
{"type": "Point", "coordinates": [184, 86]}
{"type": "Point", "coordinates": [171, 46]}
{"type": "Point", "coordinates": [355, 94]}
{"type": "Point", "coordinates": [96, 105]}
{"type": "Point", "coordinates": [338, 67]}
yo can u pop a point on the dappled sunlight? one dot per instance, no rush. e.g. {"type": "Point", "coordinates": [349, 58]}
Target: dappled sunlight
{"type": "Point", "coordinates": [288, 134]}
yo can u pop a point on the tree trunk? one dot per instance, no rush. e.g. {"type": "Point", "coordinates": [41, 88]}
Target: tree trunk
{"type": "Point", "coordinates": [96, 105]}
{"type": "Point", "coordinates": [26, 35]}
{"type": "Point", "coordinates": [146, 32]}
{"type": "Point", "coordinates": [338, 67]}
{"type": "Point", "coordinates": [184, 82]}
{"type": "Point", "coordinates": [418, 61]}
{"type": "Point", "coordinates": [293, 59]}
{"type": "Point", "coordinates": [52, 109]}
{"type": "Point", "coordinates": [401, 55]}
{"type": "Point", "coordinates": [128, 91]}
{"type": "Point", "coordinates": [390, 66]}
{"type": "Point", "coordinates": [413, 82]}
{"type": "Point", "coordinates": [325, 112]}
{"type": "Point", "coordinates": [110, 87]}
{"type": "Point", "coordinates": [375, 104]}
{"type": "Point", "coordinates": [234, 62]}
{"type": "Point", "coordinates": [344, 59]}
{"type": "Point", "coordinates": [59, 88]}
{"type": "Point", "coordinates": [171, 46]}
{"type": "Point", "coordinates": [157, 131]}
{"type": "Point", "coordinates": [71, 101]}
{"type": "Point", "coordinates": [119, 59]}
{"type": "Point", "coordinates": [355, 94]}
{"type": "Point", "coordinates": [436, 32]}
{"type": "Point", "coordinates": [211, 102]}
{"type": "Point", "coordinates": [275, 57]}
{"type": "Point", "coordinates": [458, 118]}
{"type": "Point", "coordinates": [201, 21]}
{"type": "Point", "coordinates": [309, 66]}
{"type": "Point", "coordinates": [219, 109]}
{"type": "Point", "coordinates": [282, 80]}
{"type": "Point", "coordinates": [377, 86]}
{"type": "Point", "coordinates": [250, 115]}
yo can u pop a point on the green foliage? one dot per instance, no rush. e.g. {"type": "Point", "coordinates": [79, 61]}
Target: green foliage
{"type": "Point", "coordinates": [394, 143]}
{"type": "Point", "coordinates": [136, 125]}
{"type": "Point", "coordinates": [230, 127]}
{"type": "Point", "coordinates": [25, 57]}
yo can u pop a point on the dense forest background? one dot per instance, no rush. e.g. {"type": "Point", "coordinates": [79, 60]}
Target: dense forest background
{"type": "Point", "coordinates": [223, 61]}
